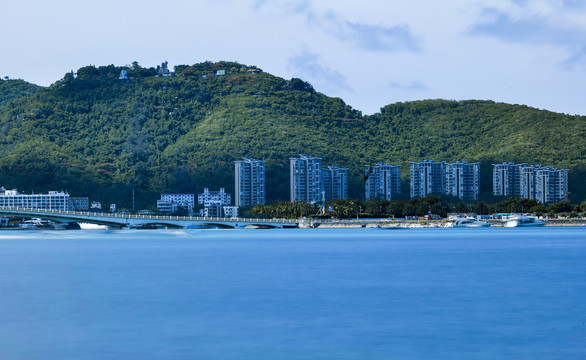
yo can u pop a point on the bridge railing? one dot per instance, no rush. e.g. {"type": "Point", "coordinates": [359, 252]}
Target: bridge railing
{"type": "Point", "coordinates": [147, 217]}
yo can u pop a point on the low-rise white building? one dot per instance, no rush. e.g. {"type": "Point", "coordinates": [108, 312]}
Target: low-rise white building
{"type": "Point", "coordinates": [214, 196]}
{"type": "Point", "coordinates": [213, 201]}
{"type": "Point", "coordinates": [54, 200]}
{"type": "Point", "coordinates": [169, 203]}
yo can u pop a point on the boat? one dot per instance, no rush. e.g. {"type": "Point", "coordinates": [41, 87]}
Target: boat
{"type": "Point", "coordinates": [36, 223]}
{"type": "Point", "coordinates": [524, 221]}
{"type": "Point", "coordinates": [467, 223]}
{"type": "Point", "coordinates": [90, 226]}
{"type": "Point", "coordinates": [378, 227]}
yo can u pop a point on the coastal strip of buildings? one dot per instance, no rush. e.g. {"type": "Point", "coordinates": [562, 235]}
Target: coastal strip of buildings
{"type": "Point", "coordinates": [312, 183]}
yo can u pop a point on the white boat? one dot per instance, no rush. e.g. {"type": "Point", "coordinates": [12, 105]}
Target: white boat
{"type": "Point", "coordinates": [522, 221]}
{"type": "Point", "coordinates": [467, 223]}
{"type": "Point", "coordinates": [35, 223]}
{"type": "Point", "coordinates": [89, 226]}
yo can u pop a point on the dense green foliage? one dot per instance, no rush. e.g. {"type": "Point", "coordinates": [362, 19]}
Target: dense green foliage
{"type": "Point", "coordinates": [95, 135]}
{"type": "Point", "coordinates": [13, 89]}
{"type": "Point", "coordinates": [418, 207]}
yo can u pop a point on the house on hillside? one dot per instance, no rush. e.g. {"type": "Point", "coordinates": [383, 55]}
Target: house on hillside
{"type": "Point", "coordinates": [163, 70]}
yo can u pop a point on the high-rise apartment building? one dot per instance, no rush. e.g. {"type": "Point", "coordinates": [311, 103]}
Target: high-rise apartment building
{"type": "Point", "coordinates": [545, 184]}
{"type": "Point", "coordinates": [551, 184]}
{"type": "Point", "coordinates": [249, 182]}
{"type": "Point", "coordinates": [382, 181]}
{"type": "Point", "coordinates": [306, 179]}
{"type": "Point", "coordinates": [506, 179]}
{"type": "Point", "coordinates": [462, 180]}
{"type": "Point", "coordinates": [528, 175]}
{"type": "Point", "coordinates": [335, 183]}
{"type": "Point", "coordinates": [427, 177]}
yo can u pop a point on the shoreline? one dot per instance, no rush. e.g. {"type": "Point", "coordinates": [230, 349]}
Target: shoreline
{"type": "Point", "coordinates": [384, 224]}
{"type": "Point", "coordinates": [410, 224]}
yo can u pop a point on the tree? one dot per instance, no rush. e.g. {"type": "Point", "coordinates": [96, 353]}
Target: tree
{"type": "Point", "coordinates": [300, 85]}
{"type": "Point", "coordinates": [538, 210]}
{"type": "Point", "coordinates": [68, 78]}
{"type": "Point", "coordinates": [583, 206]}
{"type": "Point", "coordinates": [87, 72]}
{"type": "Point", "coordinates": [260, 210]}
{"type": "Point", "coordinates": [461, 207]}
{"type": "Point", "coordinates": [560, 207]}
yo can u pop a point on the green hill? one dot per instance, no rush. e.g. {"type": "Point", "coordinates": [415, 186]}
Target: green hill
{"type": "Point", "coordinates": [11, 90]}
{"type": "Point", "coordinates": [96, 135]}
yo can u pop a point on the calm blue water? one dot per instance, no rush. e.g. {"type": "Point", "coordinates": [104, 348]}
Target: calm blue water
{"type": "Point", "coordinates": [294, 294]}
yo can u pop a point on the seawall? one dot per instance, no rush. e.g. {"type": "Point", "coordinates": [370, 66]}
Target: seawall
{"type": "Point", "coordinates": [350, 224]}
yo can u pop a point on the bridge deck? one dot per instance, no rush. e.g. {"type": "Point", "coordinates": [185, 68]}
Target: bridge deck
{"type": "Point", "coordinates": [128, 220]}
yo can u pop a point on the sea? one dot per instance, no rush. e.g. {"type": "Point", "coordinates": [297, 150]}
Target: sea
{"type": "Point", "coordinates": [496, 293]}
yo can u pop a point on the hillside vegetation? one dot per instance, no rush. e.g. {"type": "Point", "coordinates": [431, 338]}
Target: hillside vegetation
{"type": "Point", "coordinates": [95, 135]}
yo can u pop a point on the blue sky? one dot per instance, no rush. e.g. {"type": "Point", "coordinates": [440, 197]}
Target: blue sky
{"type": "Point", "coordinates": [370, 53]}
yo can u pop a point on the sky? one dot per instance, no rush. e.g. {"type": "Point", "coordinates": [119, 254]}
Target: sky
{"type": "Point", "coordinates": [370, 53]}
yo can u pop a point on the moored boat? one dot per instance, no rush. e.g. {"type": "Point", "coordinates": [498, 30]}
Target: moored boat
{"type": "Point", "coordinates": [378, 227]}
{"type": "Point", "coordinates": [35, 223]}
{"type": "Point", "coordinates": [90, 226]}
{"type": "Point", "coordinates": [467, 223]}
{"type": "Point", "coordinates": [524, 221]}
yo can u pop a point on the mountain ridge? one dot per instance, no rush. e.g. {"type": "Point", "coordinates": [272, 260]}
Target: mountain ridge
{"type": "Point", "coordinates": [96, 135]}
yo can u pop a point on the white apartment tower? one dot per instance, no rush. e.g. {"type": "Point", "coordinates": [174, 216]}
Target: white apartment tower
{"type": "Point", "coordinates": [528, 175]}
{"type": "Point", "coordinates": [506, 179]}
{"type": "Point", "coordinates": [306, 181]}
{"type": "Point", "coordinates": [462, 180]}
{"type": "Point", "coordinates": [382, 181]}
{"type": "Point", "coordinates": [427, 177]}
{"type": "Point", "coordinates": [335, 183]}
{"type": "Point", "coordinates": [249, 182]}
{"type": "Point", "coordinates": [551, 184]}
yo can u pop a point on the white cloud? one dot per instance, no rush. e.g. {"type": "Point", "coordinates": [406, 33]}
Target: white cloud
{"type": "Point", "coordinates": [559, 23]}
{"type": "Point", "coordinates": [307, 65]}
{"type": "Point", "coordinates": [414, 85]}
{"type": "Point", "coordinates": [366, 36]}
{"type": "Point", "coordinates": [369, 53]}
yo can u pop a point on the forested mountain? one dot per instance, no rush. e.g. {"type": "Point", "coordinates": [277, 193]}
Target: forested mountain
{"type": "Point", "coordinates": [14, 89]}
{"type": "Point", "coordinates": [96, 135]}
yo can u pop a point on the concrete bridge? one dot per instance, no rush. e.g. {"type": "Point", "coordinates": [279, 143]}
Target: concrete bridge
{"type": "Point", "coordinates": [119, 221]}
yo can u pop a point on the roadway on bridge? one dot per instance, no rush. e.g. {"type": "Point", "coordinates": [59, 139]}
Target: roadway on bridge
{"type": "Point", "coordinates": [144, 221]}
